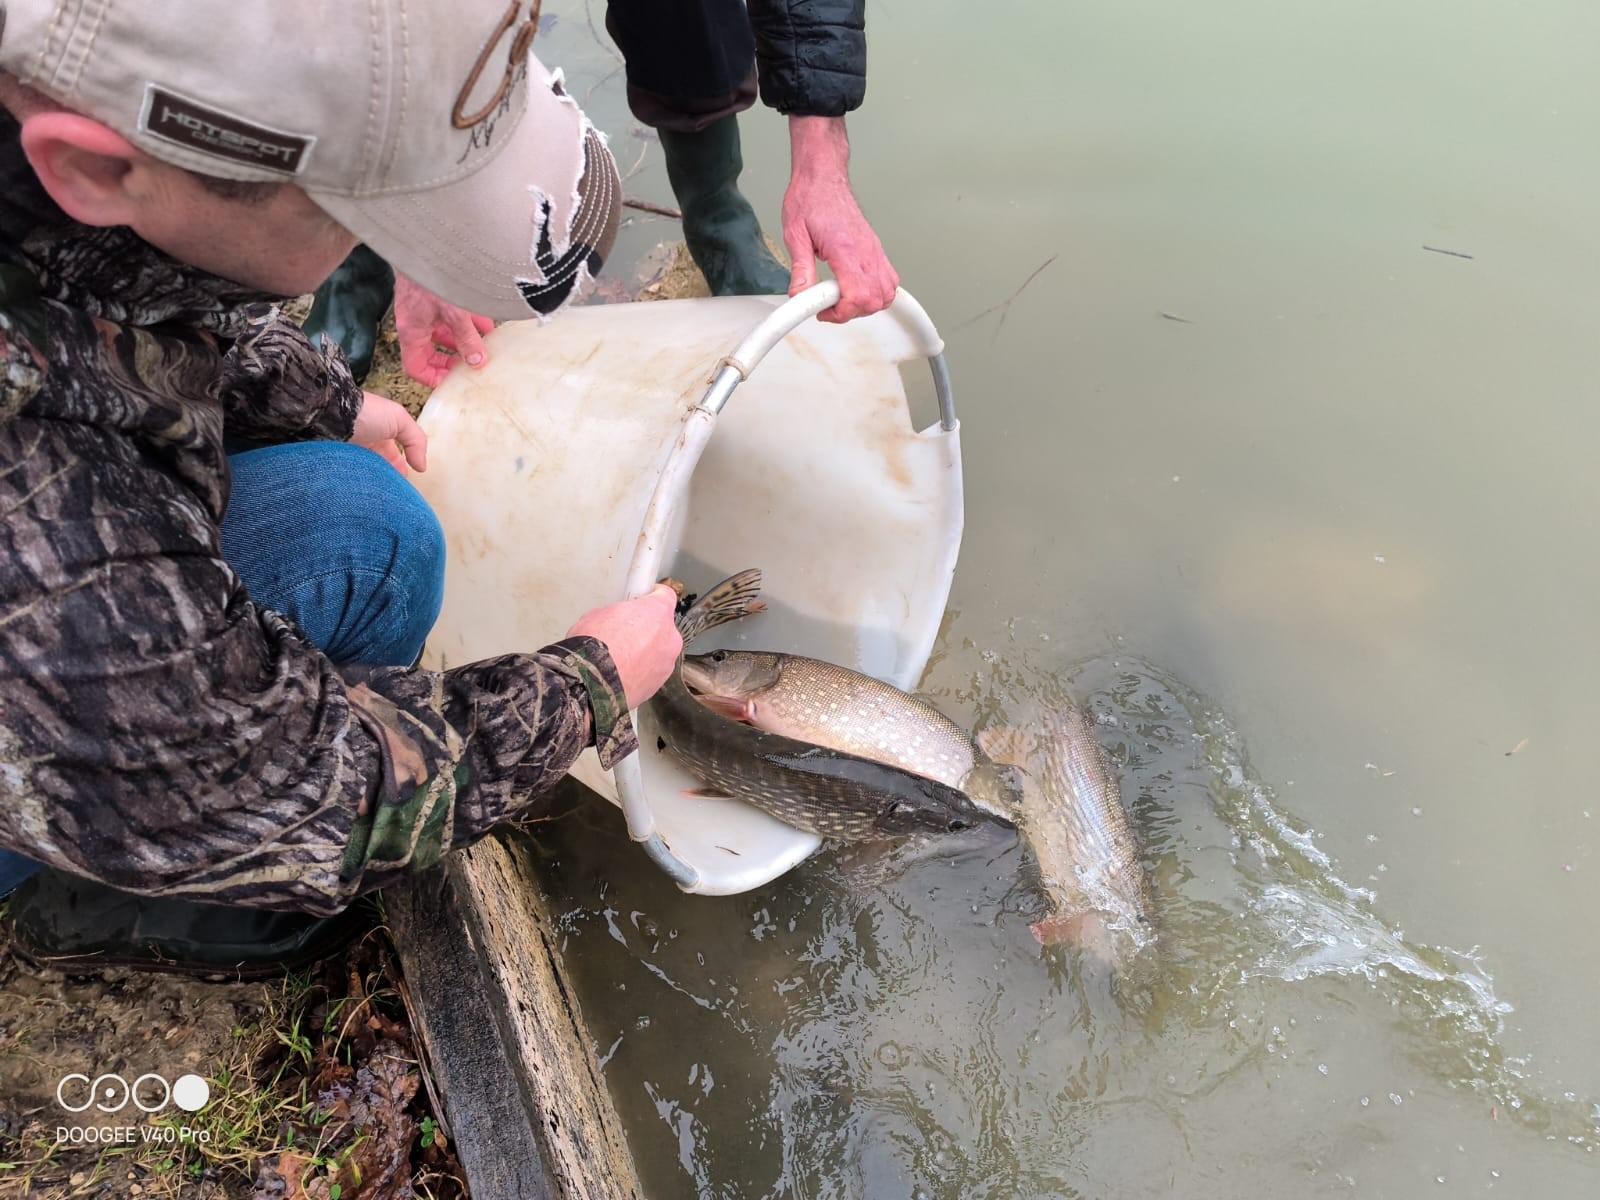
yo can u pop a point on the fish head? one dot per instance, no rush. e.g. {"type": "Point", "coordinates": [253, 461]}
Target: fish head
{"type": "Point", "coordinates": [732, 674]}
{"type": "Point", "coordinates": [934, 808]}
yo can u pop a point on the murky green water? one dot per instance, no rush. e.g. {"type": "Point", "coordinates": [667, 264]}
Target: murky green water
{"type": "Point", "coordinates": [1318, 555]}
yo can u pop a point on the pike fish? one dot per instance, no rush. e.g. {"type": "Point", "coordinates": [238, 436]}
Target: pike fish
{"type": "Point", "coordinates": [1072, 815]}
{"type": "Point", "coordinates": [1053, 780]}
{"type": "Point", "coordinates": [823, 791]}
{"type": "Point", "coordinates": [833, 706]}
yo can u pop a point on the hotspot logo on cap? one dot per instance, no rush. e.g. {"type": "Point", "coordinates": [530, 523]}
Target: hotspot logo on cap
{"type": "Point", "coordinates": [428, 129]}
{"type": "Point", "coordinates": [190, 123]}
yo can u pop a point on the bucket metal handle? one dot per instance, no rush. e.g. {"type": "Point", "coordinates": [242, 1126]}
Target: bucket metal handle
{"type": "Point", "coordinates": [673, 482]}
{"type": "Point", "coordinates": [797, 310]}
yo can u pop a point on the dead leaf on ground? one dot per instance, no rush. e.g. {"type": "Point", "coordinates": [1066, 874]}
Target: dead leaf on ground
{"type": "Point", "coordinates": [280, 1176]}
{"type": "Point", "coordinates": [384, 1086]}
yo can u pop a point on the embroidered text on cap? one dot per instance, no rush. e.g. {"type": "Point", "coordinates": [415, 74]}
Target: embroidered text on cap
{"type": "Point", "coordinates": [197, 126]}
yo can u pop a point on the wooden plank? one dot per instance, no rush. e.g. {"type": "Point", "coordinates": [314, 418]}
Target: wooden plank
{"type": "Point", "coordinates": [523, 1096]}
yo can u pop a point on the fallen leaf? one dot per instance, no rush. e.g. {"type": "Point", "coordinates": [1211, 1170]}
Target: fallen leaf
{"type": "Point", "coordinates": [384, 1086]}
{"type": "Point", "coordinates": [280, 1177]}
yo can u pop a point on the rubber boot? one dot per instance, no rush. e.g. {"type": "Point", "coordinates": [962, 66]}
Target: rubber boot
{"type": "Point", "coordinates": [350, 306]}
{"type": "Point", "coordinates": [64, 921]}
{"type": "Point", "coordinates": [721, 228]}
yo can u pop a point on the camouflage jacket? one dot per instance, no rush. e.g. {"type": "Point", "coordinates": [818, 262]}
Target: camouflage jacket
{"type": "Point", "coordinates": [159, 731]}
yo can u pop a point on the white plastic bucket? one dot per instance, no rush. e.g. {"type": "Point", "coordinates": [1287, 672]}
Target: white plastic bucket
{"type": "Point", "coordinates": [579, 466]}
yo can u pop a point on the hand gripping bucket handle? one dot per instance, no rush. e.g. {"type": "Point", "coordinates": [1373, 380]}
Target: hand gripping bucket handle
{"type": "Point", "coordinates": [673, 482]}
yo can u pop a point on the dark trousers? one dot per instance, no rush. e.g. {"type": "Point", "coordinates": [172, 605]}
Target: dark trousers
{"type": "Point", "coordinates": [689, 62]}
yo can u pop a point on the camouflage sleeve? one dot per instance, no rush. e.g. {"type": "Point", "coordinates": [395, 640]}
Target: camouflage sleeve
{"type": "Point", "coordinates": [161, 733]}
{"type": "Point", "coordinates": [275, 386]}
{"type": "Point", "coordinates": [565, 693]}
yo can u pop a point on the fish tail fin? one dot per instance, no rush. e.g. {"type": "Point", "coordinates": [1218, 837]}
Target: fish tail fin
{"type": "Point", "coordinates": [1084, 930]}
{"type": "Point", "coordinates": [733, 598]}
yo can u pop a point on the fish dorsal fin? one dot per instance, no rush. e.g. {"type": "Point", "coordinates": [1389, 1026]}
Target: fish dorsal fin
{"type": "Point", "coordinates": [733, 598]}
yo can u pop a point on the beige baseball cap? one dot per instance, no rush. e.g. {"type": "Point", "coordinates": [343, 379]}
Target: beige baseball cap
{"type": "Point", "coordinates": [425, 127]}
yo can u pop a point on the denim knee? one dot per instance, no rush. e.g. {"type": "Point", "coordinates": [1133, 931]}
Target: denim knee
{"type": "Point", "coordinates": [14, 869]}
{"type": "Point", "coordinates": [334, 537]}
{"type": "Point", "coordinates": [417, 581]}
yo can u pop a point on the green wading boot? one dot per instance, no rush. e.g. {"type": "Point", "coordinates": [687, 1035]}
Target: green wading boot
{"type": "Point", "coordinates": [351, 305]}
{"type": "Point", "coordinates": [69, 923]}
{"type": "Point", "coordinates": [718, 223]}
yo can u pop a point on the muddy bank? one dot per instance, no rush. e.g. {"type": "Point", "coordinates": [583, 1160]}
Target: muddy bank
{"type": "Point", "coordinates": [312, 1087]}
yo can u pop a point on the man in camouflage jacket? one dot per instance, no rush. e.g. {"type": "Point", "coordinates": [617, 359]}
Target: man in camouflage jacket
{"type": "Point", "coordinates": [160, 732]}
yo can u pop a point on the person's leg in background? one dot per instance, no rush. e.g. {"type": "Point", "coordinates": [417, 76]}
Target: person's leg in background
{"type": "Point", "coordinates": [691, 67]}
{"type": "Point", "coordinates": [333, 537]}
{"type": "Point", "coordinates": [350, 305]}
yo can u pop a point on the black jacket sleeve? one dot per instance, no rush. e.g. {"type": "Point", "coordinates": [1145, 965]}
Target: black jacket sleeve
{"type": "Point", "coordinates": [811, 55]}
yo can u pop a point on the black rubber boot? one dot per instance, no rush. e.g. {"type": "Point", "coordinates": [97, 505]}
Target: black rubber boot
{"type": "Point", "coordinates": [351, 305]}
{"type": "Point", "coordinates": [718, 223]}
{"type": "Point", "coordinates": [66, 922]}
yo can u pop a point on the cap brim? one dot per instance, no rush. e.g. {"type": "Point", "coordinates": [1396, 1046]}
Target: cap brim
{"type": "Point", "coordinates": [516, 238]}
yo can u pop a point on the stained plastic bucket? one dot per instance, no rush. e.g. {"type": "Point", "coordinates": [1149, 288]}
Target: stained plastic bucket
{"type": "Point", "coordinates": [591, 457]}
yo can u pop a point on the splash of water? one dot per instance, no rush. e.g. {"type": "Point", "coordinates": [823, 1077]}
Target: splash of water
{"type": "Point", "coordinates": [1310, 922]}
{"type": "Point", "coordinates": [1292, 917]}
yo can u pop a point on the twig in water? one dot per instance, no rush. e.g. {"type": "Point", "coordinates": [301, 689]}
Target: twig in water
{"type": "Point", "coordinates": [1451, 253]}
{"type": "Point", "coordinates": [638, 163]}
{"type": "Point", "coordinates": [600, 83]}
{"type": "Point", "coordinates": [1004, 307]}
{"type": "Point", "coordinates": [649, 206]}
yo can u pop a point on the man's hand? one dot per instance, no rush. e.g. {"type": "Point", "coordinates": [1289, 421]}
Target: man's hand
{"type": "Point", "coordinates": [384, 426]}
{"type": "Point", "coordinates": [821, 219]}
{"type": "Point", "coordinates": [641, 637]}
{"type": "Point", "coordinates": [434, 333]}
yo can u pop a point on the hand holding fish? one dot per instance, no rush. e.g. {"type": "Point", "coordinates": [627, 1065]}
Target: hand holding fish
{"type": "Point", "coordinates": [822, 790]}
{"type": "Point", "coordinates": [641, 638]}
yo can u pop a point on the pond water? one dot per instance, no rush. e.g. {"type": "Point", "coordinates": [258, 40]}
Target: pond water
{"type": "Point", "coordinates": [1273, 328]}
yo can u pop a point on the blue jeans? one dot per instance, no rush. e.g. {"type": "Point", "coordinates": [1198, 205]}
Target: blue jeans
{"type": "Point", "coordinates": [332, 536]}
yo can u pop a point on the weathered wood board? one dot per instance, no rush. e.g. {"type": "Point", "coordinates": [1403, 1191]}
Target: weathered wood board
{"type": "Point", "coordinates": [523, 1096]}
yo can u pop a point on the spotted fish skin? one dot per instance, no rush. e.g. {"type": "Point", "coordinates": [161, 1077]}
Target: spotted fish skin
{"type": "Point", "coordinates": [826, 704]}
{"type": "Point", "coordinates": [822, 791]}
{"type": "Point", "coordinates": [1073, 816]}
